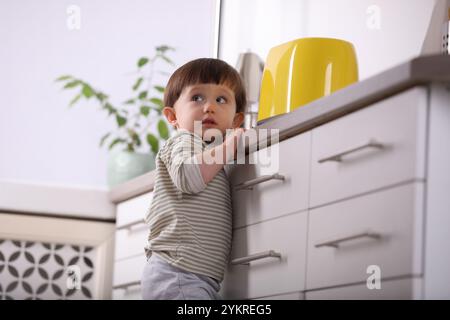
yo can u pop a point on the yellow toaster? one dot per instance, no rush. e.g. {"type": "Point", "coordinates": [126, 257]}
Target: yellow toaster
{"type": "Point", "coordinates": [303, 70]}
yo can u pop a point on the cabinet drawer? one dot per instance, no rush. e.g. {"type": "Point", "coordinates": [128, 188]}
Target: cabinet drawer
{"type": "Point", "coordinates": [286, 296]}
{"type": "Point", "coordinates": [130, 293]}
{"type": "Point", "coordinates": [374, 147]}
{"type": "Point", "coordinates": [382, 229]}
{"type": "Point", "coordinates": [270, 275]}
{"type": "Point", "coordinates": [133, 210]}
{"type": "Point", "coordinates": [290, 158]}
{"type": "Point", "coordinates": [403, 289]}
{"type": "Point", "coordinates": [131, 241]}
{"type": "Point", "coordinates": [128, 271]}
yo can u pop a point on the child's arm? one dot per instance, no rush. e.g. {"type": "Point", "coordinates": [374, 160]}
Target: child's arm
{"type": "Point", "coordinates": [189, 171]}
{"type": "Point", "coordinates": [228, 149]}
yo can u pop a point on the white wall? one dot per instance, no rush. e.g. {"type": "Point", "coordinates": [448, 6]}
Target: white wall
{"type": "Point", "coordinates": [259, 25]}
{"type": "Point", "coordinates": [41, 140]}
{"type": "Point", "coordinates": [262, 24]}
{"type": "Point", "coordinates": [402, 28]}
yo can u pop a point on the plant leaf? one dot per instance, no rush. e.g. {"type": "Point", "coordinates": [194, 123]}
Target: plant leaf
{"type": "Point", "coordinates": [159, 88]}
{"type": "Point", "coordinates": [116, 141]}
{"type": "Point", "coordinates": [101, 96]}
{"type": "Point", "coordinates": [134, 137]}
{"type": "Point", "coordinates": [102, 141]}
{"type": "Point", "coordinates": [158, 102]}
{"type": "Point", "coordinates": [137, 83]}
{"type": "Point", "coordinates": [138, 140]}
{"type": "Point", "coordinates": [129, 101]}
{"type": "Point", "coordinates": [121, 121]}
{"type": "Point", "coordinates": [65, 77]}
{"type": "Point", "coordinates": [75, 99]}
{"type": "Point", "coordinates": [131, 132]}
{"type": "Point", "coordinates": [153, 142]}
{"type": "Point", "coordinates": [142, 62]}
{"type": "Point", "coordinates": [72, 84]}
{"type": "Point", "coordinates": [87, 91]}
{"type": "Point", "coordinates": [145, 110]}
{"type": "Point", "coordinates": [163, 129]}
{"type": "Point", "coordinates": [143, 95]}
{"type": "Point", "coordinates": [164, 48]}
{"type": "Point", "coordinates": [167, 60]}
{"type": "Point", "coordinates": [110, 108]}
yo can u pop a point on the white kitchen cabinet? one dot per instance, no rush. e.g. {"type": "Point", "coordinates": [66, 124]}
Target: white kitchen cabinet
{"type": "Point", "coordinates": [130, 239]}
{"type": "Point", "coordinates": [132, 211]}
{"type": "Point", "coordinates": [131, 292]}
{"type": "Point", "coordinates": [279, 172]}
{"type": "Point", "coordinates": [400, 289]}
{"type": "Point", "coordinates": [362, 188]}
{"type": "Point", "coordinates": [131, 230]}
{"type": "Point", "coordinates": [369, 149]}
{"type": "Point", "coordinates": [127, 272]}
{"type": "Point", "coordinates": [382, 229]}
{"type": "Point", "coordinates": [378, 180]}
{"type": "Point", "coordinates": [437, 225]}
{"type": "Point", "coordinates": [267, 258]}
{"type": "Point", "coordinates": [287, 296]}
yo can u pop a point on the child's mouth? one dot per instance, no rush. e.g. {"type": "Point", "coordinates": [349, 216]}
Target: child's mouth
{"type": "Point", "coordinates": [209, 122]}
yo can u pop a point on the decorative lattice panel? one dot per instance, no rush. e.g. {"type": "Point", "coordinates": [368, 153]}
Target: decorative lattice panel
{"type": "Point", "coordinates": [38, 270]}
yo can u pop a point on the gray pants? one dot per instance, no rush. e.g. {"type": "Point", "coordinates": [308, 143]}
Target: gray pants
{"type": "Point", "coordinates": [162, 281]}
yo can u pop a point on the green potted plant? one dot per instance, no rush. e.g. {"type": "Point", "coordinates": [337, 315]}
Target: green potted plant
{"type": "Point", "coordinates": [140, 123]}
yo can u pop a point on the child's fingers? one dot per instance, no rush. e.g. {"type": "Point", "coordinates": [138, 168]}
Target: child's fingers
{"type": "Point", "coordinates": [240, 131]}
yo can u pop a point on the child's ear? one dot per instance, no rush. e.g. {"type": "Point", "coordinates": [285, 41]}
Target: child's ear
{"type": "Point", "coordinates": [170, 115]}
{"type": "Point", "coordinates": [238, 119]}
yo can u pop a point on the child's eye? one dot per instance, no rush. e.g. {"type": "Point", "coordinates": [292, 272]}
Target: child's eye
{"type": "Point", "coordinates": [221, 100]}
{"type": "Point", "coordinates": [197, 98]}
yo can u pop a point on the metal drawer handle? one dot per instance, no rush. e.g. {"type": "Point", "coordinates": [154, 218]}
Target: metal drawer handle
{"type": "Point", "coordinates": [248, 185]}
{"type": "Point", "coordinates": [335, 243]}
{"type": "Point", "coordinates": [125, 286]}
{"type": "Point", "coordinates": [256, 256]}
{"type": "Point", "coordinates": [338, 157]}
{"type": "Point", "coordinates": [131, 224]}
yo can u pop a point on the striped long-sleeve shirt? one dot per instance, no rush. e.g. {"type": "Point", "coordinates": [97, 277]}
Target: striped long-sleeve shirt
{"type": "Point", "coordinates": [190, 221]}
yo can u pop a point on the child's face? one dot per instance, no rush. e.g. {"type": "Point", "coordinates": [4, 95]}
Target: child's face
{"type": "Point", "coordinates": [202, 102]}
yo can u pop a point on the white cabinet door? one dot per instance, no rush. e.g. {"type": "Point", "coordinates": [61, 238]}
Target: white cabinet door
{"type": "Point", "coordinates": [130, 240]}
{"type": "Point", "coordinates": [132, 231]}
{"type": "Point", "coordinates": [272, 198]}
{"type": "Point", "coordinates": [437, 226]}
{"type": "Point", "coordinates": [381, 230]}
{"type": "Point", "coordinates": [129, 293]}
{"type": "Point", "coordinates": [402, 289]}
{"type": "Point", "coordinates": [133, 211]}
{"type": "Point", "coordinates": [286, 296]}
{"type": "Point", "coordinates": [128, 271]}
{"type": "Point", "coordinates": [380, 145]}
{"type": "Point", "coordinates": [271, 275]}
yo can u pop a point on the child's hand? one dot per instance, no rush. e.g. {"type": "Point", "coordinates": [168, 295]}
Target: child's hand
{"type": "Point", "coordinates": [231, 143]}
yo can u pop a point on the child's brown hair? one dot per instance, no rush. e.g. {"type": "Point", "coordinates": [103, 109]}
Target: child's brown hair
{"type": "Point", "coordinates": [201, 71]}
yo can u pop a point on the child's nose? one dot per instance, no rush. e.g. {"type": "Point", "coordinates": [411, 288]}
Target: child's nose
{"type": "Point", "coordinates": [210, 105]}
